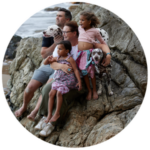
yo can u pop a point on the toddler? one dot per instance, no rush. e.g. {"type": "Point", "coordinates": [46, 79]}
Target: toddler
{"type": "Point", "coordinates": [63, 81]}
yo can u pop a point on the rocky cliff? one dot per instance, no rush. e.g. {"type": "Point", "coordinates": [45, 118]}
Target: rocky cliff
{"type": "Point", "coordinates": [95, 121]}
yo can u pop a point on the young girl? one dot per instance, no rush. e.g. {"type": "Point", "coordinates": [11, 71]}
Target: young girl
{"type": "Point", "coordinates": [63, 82]}
{"type": "Point", "coordinates": [86, 42]}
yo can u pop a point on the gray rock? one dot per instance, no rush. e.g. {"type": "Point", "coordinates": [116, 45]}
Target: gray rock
{"type": "Point", "coordinates": [52, 9]}
{"type": "Point", "coordinates": [11, 49]}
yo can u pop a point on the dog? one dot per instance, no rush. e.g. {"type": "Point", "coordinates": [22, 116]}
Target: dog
{"type": "Point", "coordinates": [52, 31]}
{"type": "Point", "coordinates": [104, 34]}
{"type": "Point", "coordinates": [98, 56]}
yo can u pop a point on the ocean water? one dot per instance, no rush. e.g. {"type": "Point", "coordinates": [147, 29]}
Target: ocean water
{"type": "Point", "coordinates": [39, 21]}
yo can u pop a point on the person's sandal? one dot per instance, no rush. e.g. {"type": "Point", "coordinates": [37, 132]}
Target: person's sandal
{"type": "Point", "coordinates": [47, 130]}
{"type": "Point", "coordinates": [41, 124]}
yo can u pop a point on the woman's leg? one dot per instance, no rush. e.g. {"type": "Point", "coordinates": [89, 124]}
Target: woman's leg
{"type": "Point", "coordinates": [87, 82]}
{"type": "Point", "coordinates": [50, 105]}
{"type": "Point", "coordinates": [43, 110]}
{"type": "Point", "coordinates": [95, 95]}
{"type": "Point", "coordinates": [58, 107]}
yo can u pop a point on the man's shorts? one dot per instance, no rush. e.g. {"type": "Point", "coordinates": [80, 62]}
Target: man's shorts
{"type": "Point", "coordinates": [43, 73]}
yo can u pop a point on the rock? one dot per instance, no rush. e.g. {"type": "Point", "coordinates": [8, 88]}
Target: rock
{"type": "Point", "coordinates": [108, 127]}
{"type": "Point", "coordinates": [73, 7]}
{"type": "Point", "coordinates": [128, 115]}
{"type": "Point", "coordinates": [11, 49]}
{"type": "Point", "coordinates": [52, 9]}
{"type": "Point", "coordinates": [89, 122]}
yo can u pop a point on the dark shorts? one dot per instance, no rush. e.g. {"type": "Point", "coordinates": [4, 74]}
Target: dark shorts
{"type": "Point", "coordinates": [43, 73]}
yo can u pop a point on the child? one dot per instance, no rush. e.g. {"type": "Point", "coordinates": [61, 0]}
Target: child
{"type": "Point", "coordinates": [86, 42]}
{"type": "Point", "coordinates": [63, 82]}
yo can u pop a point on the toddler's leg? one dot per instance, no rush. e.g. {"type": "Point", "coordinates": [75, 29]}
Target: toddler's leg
{"type": "Point", "coordinates": [58, 107]}
{"type": "Point", "coordinates": [95, 95]}
{"type": "Point", "coordinates": [86, 79]}
{"type": "Point", "coordinates": [50, 104]}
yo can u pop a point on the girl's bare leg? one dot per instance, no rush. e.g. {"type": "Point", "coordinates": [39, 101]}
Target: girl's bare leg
{"type": "Point", "coordinates": [59, 103]}
{"type": "Point", "coordinates": [95, 95]}
{"type": "Point", "coordinates": [50, 104]}
{"type": "Point", "coordinates": [89, 95]}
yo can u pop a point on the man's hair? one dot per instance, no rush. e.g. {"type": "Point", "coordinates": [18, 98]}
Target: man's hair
{"type": "Point", "coordinates": [67, 13]}
{"type": "Point", "coordinates": [91, 16]}
{"type": "Point", "coordinates": [66, 44]}
{"type": "Point", "coordinates": [73, 26]}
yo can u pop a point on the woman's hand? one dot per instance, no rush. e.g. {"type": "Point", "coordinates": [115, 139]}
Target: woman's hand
{"type": "Point", "coordinates": [79, 85]}
{"type": "Point", "coordinates": [66, 68]}
{"type": "Point", "coordinates": [106, 61]}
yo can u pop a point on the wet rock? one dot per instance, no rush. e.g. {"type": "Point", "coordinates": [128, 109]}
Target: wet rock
{"type": "Point", "coordinates": [11, 49]}
{"type": "Point", "coordinates": [52, 9]}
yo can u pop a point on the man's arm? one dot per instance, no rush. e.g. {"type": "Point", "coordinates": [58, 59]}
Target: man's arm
{"type": "Point", "coordinates": [49, 44]}
{"type": "Point", "coordinates": [46, 51]}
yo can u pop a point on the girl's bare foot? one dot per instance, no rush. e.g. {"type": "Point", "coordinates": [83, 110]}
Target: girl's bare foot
{"type": "Point", "coordinates": [89, 96]}
{"type": "Point", "coordinates": [55, 117]}
{"type": "Point", "coordinates": [95, 95]}
{"type": "Point", "coordinates": [48, 118]}
{"type": "Point", "coordinates": [32, 116]}
{"type": "Point", "coordinates": [20, 111]}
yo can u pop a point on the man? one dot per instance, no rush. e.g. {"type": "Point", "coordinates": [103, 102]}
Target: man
{"type": "Point", "coordinates": [70, 33]}
{"type": "Point", "coordinates": [43, 74]}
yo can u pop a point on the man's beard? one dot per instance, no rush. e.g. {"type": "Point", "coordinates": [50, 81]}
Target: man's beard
{"type": "Point", "coordinates": [59, 24]}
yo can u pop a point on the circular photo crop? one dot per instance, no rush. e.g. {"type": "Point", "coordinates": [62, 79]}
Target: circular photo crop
{"type": "Point", "coordinates": [74, 74]}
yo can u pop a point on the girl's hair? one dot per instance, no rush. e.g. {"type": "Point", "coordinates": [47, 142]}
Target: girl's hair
{"type": "Point", "coordinates": [91, 16]}
{"type": "Point", "coordinates": [66, 44]}
{"type": "Point", "coordinates": [73, 26]}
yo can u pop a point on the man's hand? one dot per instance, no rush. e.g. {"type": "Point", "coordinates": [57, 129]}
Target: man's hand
{"type": "Point", "coordinates": [79, 85]}
{"type": "Point", "coordinates": [66, 68]}
{"type": "Point", "coordinates": [106, 61]}
{"type": "Point", "coordinates": [58, 39]}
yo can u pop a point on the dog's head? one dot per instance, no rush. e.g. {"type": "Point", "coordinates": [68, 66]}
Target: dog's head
{"type": "Point", "coordinates": [97, 55]}
{"type": "Point", "coordinates": [52, 31]}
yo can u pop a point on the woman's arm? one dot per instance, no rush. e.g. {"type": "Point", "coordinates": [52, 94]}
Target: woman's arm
{"type": "Point", "coordinates": [63, 67]}
{"type": "Point", "coordinates": [74, 66]}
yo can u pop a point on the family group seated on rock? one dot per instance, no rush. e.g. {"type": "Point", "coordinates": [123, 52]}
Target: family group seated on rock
{"type": "Point", "coordinates": [66, 70]}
